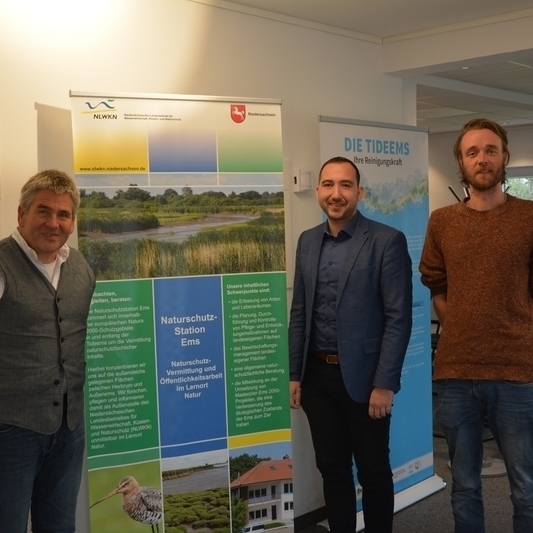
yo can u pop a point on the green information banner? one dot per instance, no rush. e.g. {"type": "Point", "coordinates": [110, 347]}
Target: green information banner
{"type": "Point", "coordinates": [255, 327]}
{"type": "Point", "coordinates": [121, 373]}
{"type": "Point", "coordinates": [182, 220]}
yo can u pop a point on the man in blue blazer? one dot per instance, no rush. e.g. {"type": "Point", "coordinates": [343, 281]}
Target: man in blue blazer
{"type": "Point", "coordinates": [350, 325]}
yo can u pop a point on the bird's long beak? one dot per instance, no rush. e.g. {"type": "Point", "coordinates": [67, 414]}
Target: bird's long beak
{"type": "Point", "coordinates": [112, 493]}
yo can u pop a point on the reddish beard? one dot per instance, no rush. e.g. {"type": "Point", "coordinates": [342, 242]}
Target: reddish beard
{"type": "Point", "coordinates": [497, 175]}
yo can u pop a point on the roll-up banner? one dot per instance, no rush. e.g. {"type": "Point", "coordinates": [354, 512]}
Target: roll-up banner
{"type": "Point", "coordinates": [393, 163]}
{"type": "Point", "coordinates": [182, 220]}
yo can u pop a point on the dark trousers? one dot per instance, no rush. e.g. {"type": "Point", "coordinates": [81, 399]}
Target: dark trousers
{"type": "Point", "coordinates": [44, 470]}
{"type": "Point", "coordinates": [342, 429]}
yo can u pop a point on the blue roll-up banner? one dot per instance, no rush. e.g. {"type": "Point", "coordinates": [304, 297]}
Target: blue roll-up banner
{"type": "Point", "coordinates": [393, 163]}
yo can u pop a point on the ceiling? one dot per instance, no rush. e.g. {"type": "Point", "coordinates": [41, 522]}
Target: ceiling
{"type": "Point", "coordinates": [438, 109]}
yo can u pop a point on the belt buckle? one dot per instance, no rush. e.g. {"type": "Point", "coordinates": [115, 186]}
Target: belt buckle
{"type": "Point", "coordinates": [332, 362]}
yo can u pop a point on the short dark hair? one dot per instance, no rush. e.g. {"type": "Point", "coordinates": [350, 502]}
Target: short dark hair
{"type": "Point", "coordinates": [339, 160]}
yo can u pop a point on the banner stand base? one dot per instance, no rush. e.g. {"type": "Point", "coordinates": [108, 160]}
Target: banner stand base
{"type": "Point", "coordinates": [409, 496]}
{"type": "Point", "coordinates": [402, 500]}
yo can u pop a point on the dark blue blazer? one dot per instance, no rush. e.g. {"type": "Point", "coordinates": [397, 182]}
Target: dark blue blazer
{"type": "Point", "coordinates": [374, 307]}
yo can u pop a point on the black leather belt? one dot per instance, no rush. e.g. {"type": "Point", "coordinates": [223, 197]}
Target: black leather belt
{"type": "Point", "coordinates": [331, 359]}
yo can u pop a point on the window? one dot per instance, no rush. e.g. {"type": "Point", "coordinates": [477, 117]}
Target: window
{"type": "Point", "coordinates": [521, 187]}
{"type": "Point", "coordinates": [289, 506]}
{"type": "Point", "coordinates": [257, 493]}
{"type": "Point", "coordinates": [520, 182]}
{"type": "Point", "coordinates": [287, 488]}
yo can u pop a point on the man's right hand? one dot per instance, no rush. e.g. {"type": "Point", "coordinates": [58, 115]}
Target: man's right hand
{"type": "Point", "coordinates": [295, 393]}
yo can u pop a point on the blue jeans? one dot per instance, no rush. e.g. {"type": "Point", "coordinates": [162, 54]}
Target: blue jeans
{"type": "Point", "coordinates": [462, 406]}
{"type": "Point", "coordinates": [342, 431]}
{"type": "Point", "coordinates": [43, 471]}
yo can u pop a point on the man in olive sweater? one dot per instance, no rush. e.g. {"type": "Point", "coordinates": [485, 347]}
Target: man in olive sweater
{"type": "Point", "coordinates": [478, 263]}
{"type": "Point", "coordinates": [45, 294]}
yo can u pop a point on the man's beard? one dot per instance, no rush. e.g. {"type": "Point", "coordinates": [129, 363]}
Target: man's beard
{"type": "Point", "coordinates": [497, 177]}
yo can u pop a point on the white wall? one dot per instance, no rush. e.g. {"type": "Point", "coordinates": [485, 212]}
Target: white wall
{"type": "Point", "coordinates": [177, 46]}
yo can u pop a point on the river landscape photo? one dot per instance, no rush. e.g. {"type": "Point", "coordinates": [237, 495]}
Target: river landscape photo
{"type": "Point", "coordinates": [135, 233]}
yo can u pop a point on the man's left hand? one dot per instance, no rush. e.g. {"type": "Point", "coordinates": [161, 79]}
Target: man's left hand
{"type": "Point", "coordinates": [380, 403]}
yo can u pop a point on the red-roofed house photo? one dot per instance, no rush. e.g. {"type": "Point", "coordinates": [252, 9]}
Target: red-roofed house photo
{"type": "Point", "coordinates": [267, 489]}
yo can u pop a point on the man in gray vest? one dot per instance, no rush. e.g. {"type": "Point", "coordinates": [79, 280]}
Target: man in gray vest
{"type": "Point", "coordinates": [45, 294]}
